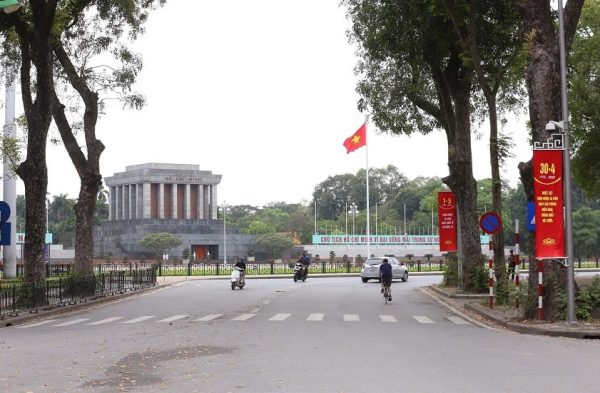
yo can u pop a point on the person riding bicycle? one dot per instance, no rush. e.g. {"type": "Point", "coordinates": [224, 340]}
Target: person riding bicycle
{"type": "Point", "coordinates": [305, 261]}
{"type": "Point", "coordinates": [239, 263]}
{"type": "Point", "coordinates": [385, 273]}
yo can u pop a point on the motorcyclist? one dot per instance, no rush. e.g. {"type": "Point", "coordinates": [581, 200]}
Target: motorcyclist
{"type": "Point", "coordinates": [241, 264]}
{"type": "Point", "coordinates": [385, 273]}
{"type": "Point", "coordinates": [305, 261]}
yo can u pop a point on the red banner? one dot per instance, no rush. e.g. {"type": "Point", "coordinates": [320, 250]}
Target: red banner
{"type": "Point", "coordinates": [447, 221]}
{"type": "Point", "coordinates": [548, 201]}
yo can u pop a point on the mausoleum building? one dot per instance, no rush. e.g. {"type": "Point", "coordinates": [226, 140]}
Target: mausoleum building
{"type": "Point", "coordinates": [179, 199]}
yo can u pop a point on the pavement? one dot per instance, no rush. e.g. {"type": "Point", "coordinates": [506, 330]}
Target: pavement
{"type": "Point", "coordinates": [476, 307]}
{"type": "Point", "coordinates": [472, 306]}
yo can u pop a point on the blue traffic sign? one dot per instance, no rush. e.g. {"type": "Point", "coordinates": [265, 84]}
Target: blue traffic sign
{"type": "Point", "coordinates": [490, 222]}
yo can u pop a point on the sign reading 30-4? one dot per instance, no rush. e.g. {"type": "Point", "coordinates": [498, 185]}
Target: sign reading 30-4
{"type": "Point", "coordinates": [548, 202]}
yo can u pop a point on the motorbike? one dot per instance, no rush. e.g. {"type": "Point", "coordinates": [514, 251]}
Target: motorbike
{"type": "Point", "coordinates": [237, 278]}
{"type": "Point", "coordinates": [300, 272]}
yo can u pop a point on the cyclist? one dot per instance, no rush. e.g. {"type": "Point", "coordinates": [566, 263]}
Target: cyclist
{"type": "Point", "coordinates": [385, 273]}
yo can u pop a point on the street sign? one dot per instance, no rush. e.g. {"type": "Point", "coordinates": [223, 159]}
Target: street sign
{"type": "Point", "coordinates": [531, 216]}
{"type": "Point", "coordinates": [490, 222]}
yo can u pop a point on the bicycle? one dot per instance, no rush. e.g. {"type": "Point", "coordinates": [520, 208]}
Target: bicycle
{"type": "Point", "coordinates": [387, 292]}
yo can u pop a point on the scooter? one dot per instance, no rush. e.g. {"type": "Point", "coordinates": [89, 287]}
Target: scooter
{"type": "Point", "coordinates": [238, 278]}
{"type": "Point", "coordinates": [300, 272]}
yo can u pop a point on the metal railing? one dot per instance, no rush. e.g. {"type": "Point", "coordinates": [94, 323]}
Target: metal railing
{"type": "Point", "coordinates": [19, 297]}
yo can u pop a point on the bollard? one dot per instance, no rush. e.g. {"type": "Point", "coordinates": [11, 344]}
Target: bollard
{"type": "Point", "coordinates": [540, 265]}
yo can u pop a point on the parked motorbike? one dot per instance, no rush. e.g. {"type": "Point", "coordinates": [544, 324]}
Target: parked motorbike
{"type": "Point", "coordinates": [300, 272]}
{"type": "Point", "coordinates": [238, 278]}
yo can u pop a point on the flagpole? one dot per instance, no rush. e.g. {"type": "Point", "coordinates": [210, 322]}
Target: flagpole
{"type": "Point", "coordinates": [368, 211]}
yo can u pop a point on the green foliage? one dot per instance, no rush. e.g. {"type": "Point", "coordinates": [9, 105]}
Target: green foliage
{"type": "Point", "coordinates": [186, 253]}
{"type": "Point", "coordinates": [274, 243]}
{"type": "Point", "coordinates": [160, 243]}
{"type": "Point", "coordinates": [587, 302]}
{"type": "Point", "coordinates": [451, 272]}
{"type": "Point", "coordinates": [259, 228]}
{"type": "Point", "coordinates": [479, 282]}
{"type": "Point", "coordinates": [584, 99]}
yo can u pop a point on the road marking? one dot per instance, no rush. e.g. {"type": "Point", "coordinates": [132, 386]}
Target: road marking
{"type": "Point", "coordinates": [458, 321]}
{"type": "Point", "coordinates": [37, 324]}
{"type": "Point", "coordinates": [351, 318]}
{"type": "Point", "coordinates": [422, 319]}
{"type": "Point", "coordinates": [279, 317]}
{"type": "Point", "coordinates": [243, 317]}
{"type": "Point", "coordinates": [173, 318]}
{"type": "Point", "coordinates": [315, 317]}
{"type": "Point", "coordinates": [106, 320]}
{"type": "Point", "coordinates": [139, 319]}
{"type": "Point", "coordinates": [388, 318]}
{"type": "Point", "coordinates": [73, 322]}
{"type": "Point", "coordinates": [209, 317]}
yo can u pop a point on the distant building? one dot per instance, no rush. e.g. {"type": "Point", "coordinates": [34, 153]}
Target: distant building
{"type": "Point", "coordinates": [179, 199]}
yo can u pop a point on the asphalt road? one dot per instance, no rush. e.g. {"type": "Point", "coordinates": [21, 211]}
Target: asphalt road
{"type": "Point", "coordinates": [324, 335]}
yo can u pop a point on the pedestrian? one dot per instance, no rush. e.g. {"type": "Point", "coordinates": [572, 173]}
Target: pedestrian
{"type": "Point", "coordinates": [512, 262]}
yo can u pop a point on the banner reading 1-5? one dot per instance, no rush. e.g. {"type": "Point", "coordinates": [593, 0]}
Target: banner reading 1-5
{"type": "Point", "coordinates": [548, 200]}
{"type": "Point", "coordinates": [447, 221]}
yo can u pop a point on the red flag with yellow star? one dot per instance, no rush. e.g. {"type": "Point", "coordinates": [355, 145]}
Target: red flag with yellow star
{"type": "Point", "coordinates": [358, 140]}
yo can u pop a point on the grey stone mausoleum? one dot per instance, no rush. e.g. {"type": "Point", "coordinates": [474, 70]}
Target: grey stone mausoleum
{"type": "Point", "coordinates": [179, 199]}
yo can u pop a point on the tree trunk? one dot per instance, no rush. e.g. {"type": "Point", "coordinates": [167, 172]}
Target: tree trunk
{"type": "Point", "coordinates": [34, 42]}
{"type": "Point", "coordinates": [543, 85]}
{"type": "Point", "coordinates": [463, 184]}
{"type": "Point", "coordinates": [88, 168]}
{"type": "Point", "coordinates": [84, 231]}
{"type": "Point", "coordinates": [498, 238]}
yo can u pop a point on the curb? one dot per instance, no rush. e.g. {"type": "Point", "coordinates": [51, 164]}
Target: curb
{"type": "Point", "coordinates": [576, 330]}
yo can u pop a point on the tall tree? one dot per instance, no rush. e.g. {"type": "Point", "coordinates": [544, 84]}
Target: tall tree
{"type": "Point", "coordinates": [85, 30]}
{"type": "Point", "coordinates": [584, 99]}
{"type": "Point", "coordinates": [492, 43]}
{"type": "Point", "coordinates": [542, 77]}
{"type": "Point", "coordinates": [414, 78]}
{"type": "Point", "coordinates": [32, 46]}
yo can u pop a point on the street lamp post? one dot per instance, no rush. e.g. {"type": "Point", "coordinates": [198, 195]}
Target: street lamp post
{"type": "Point", "coordinates": [353, 212]}
{"type": "Point", "coordinates": [564, 126]}
{"type": "Point", "coordinates": [9, 193]}
{"type": "Point", "coordinates": [224, 210]}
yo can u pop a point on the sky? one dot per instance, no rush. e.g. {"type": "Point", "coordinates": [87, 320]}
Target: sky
{"type": "Point", "coordinates": [263, 93]}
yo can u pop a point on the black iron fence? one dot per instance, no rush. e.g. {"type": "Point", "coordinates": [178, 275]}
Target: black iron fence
{"type": "Point", "coordinates": [19, 297]}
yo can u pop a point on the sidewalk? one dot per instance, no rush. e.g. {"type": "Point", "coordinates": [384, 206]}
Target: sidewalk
{"type": "Point", "coordinates": [477, 306]}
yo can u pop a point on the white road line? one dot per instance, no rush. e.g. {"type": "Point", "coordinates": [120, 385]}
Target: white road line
{"type": "Point", "coordinates": [422, 319]}
{"type": "Point", "coordinates": [139, 319]}
{"type": "Point", "coordinates": [243, 317]}
{"type": "Point", "coordinates": [173, 318]}
{"type": "Point", "coordinates": [351, 318]}
{"type": "Point", "coordinates": [388, 318]}
{"type": "Point", "coordinates": [458, 321]}
{"type": "Point", "coordinates": [315, 317]}
{"type": "Point", "coordinates": [106, 320]}
{"type": "Point", "coordinates": [36, 324]}
{"type": "Point", "coordinates": [279, 317]}
{"type": "Point", "coordinates": [209, 317]}
{"type": "Point", "coordinates": [72, 322]}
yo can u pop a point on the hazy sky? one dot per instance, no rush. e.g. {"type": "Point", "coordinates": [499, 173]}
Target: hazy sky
{"type": "Point", "coordinates": [263, 93]}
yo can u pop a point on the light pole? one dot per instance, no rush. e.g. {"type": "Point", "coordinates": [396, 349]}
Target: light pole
{"type": "Point", "coordinates": [9, 193]}
{"type": "Point", "coordinates": [346, 210]}
{"type": "Point", "coordinates": [353, 212]}
{"type": "Point", "coordinates": [224, 210]}
{"type": "Point", "coordinates": [564, 126]}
